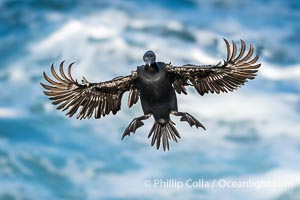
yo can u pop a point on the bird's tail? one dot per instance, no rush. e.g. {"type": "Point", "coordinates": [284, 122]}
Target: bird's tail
{"type": "Point", "coordinates": [163, 131]}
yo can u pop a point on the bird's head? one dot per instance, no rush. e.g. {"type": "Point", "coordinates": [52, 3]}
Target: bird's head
{"type": "Point", "coordinates": [149, 58]}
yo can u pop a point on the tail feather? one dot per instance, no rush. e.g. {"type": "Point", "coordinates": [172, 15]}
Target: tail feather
{"type": "Point", "coordinates": [162, 133]}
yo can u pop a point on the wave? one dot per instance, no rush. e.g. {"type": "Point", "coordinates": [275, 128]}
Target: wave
{"type": "Point", "coordinates": [9, 113]}
{"type": "Point", "coordinates": [276, 73]}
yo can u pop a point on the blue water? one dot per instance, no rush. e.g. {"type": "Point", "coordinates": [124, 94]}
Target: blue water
{"type": "Point", "coordinates": [252, 133]}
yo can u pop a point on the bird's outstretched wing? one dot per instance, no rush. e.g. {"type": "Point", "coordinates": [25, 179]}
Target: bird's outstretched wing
{"type": "Point", "coordinates": [98, 98]}
{"type": "Point", "coordinates": [223, 77]}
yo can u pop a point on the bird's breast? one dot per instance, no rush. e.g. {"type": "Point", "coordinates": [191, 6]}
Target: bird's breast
{"type": "Point", "coordinates": [155, 86]}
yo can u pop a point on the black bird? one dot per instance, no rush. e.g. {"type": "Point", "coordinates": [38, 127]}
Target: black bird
{"type": "Point", "coordinates": [155, 83]}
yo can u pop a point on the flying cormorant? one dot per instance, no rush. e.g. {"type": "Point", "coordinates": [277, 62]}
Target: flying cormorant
{"type": "Point", "coordinates": [156, 83]}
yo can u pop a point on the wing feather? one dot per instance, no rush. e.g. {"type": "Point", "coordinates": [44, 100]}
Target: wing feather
{"type": "Point", "coordinates": [88, 98]}
{"type": "Point", "coordinates": [133, 96]}
{"type": "Point", "coordinates": [233, 73]}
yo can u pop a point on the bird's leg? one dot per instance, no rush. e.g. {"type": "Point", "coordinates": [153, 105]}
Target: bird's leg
{"type": "Point", "coordinates": [135, 124]}
{"type": "Point", "coordinates": [188, 118]}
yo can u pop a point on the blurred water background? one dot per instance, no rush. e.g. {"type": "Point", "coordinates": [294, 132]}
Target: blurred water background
{"type": "Point", "coordinates": [252, 133]}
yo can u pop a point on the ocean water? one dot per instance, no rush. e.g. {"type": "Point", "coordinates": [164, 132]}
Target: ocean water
{"type": "Point", "coordinates": [252, 136]}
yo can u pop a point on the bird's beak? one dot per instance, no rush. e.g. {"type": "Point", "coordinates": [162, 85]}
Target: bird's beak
{"type": "Point", "coordinates": [148, 63]}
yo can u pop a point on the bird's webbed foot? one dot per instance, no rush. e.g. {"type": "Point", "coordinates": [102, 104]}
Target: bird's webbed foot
{"type": "Point", "coordinates": [188, 118]}
{"type": "Point", "coordinates": [135, 124]}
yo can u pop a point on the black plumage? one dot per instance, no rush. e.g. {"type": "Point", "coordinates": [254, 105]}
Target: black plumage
{"type": "Point", "coordinates": [156, 83]}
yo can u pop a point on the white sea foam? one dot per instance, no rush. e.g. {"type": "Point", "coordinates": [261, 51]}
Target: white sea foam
{"type": "Point", "coordinates": [72, 40]}
{"type": "Point", "coordinates": [8, 113]}
{"type": "Point", "coordinates": [276, 73]}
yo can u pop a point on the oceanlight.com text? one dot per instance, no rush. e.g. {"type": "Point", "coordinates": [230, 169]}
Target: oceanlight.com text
{"type": "Point", "coordinates": [216, 183]}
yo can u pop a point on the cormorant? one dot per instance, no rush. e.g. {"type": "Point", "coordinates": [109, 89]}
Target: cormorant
{"type": "Point", "coordinates": [156, 83]}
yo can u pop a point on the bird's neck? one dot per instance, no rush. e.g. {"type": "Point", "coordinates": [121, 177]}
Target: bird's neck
{"type": "Point", "coordinates": [152, 68]}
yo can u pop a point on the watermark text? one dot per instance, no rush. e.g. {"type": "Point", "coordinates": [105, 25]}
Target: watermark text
{"type": "Point", "coordinates": [216, 183]}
